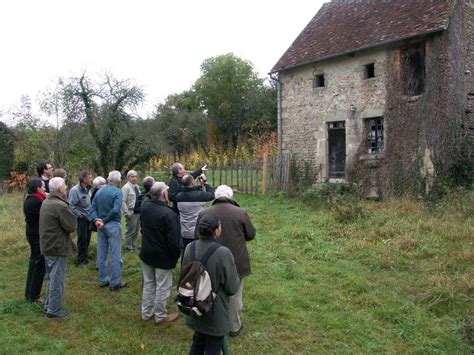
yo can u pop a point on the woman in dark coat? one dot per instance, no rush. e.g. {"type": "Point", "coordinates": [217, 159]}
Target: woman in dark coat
{"type": "Point", "coordinates": [36, 266]}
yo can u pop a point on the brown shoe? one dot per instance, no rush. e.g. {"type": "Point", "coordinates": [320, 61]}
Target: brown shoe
{"type": "Point", "coordinates": [169, 318]}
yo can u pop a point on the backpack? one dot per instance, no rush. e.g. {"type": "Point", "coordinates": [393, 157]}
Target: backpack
{"type": "Point", "coordinates": [194, 296]}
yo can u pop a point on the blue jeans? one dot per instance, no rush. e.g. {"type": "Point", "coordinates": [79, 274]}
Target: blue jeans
{"type": "Point", "coordinates": [109, 239]}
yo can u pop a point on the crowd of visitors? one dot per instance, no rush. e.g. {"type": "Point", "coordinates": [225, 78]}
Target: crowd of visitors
{"type": "Point", "coordinates": [173, 220]}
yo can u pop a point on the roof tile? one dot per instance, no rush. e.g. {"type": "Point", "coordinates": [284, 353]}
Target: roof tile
{"type": "Point", "coordinates": [342, 26]}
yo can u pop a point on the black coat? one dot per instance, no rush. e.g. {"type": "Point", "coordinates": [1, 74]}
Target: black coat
{"type": "Point", "coordinates": [161, 234]}
{"type": "Point", "coordinates": [176, 185]}
{"type": "Point", "coordinates": [31, 209]}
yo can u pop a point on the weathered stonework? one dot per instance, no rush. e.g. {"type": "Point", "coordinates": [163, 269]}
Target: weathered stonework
{"type": "Point", "coordinates": [419, 131]}
{"type": "Point", "coordinates": [346, 96]}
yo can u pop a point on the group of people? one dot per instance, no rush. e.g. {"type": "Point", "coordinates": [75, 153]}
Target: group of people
{"type": "Point", "coordinates": [170, 218]}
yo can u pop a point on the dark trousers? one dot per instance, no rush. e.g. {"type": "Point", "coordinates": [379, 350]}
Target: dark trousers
{"type": "Point", "coordinates": [83, 240]}
{"type": "Point", "coordinates": [36, 270]}
{"type": "Point", "coordinates": [206, 344]}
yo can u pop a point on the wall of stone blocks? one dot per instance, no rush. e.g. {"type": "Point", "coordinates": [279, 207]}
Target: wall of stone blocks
{"type": "Point", "coordinates": [346, 96]}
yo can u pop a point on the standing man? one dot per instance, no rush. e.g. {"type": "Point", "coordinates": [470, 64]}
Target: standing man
{"type": "Point", "coordinates": [191, 201]}
{"type": "Point", "coordinates": [131, 209]}
{"type": "Point", "coordinates": [56, 223]}
{"type": "Point", "coordinates": [45, 172]}
{"type": "Point", "coordinates": [159, 253]}
{"type": "Point", "coordinates": [176, 182]}
{"type": "Point", "coordinates": [80, 204]}
{"type": "Point", "coordinates": [237, 229]}
{"type": "Point", "coordinates": [210, 329]}
{"type": "Point", "coordinates": [105, 213]}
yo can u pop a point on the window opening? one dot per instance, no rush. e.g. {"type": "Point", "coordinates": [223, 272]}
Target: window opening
{"type": "Point", "coordinates": [375, 135]}
{"type": "Point", "coordinates": [336, 125]}
{"type": "Point", "coordinates": [318, 81]}
{"type": "Point", "coordinates": [414, 70]}
{"type": "Point", "coordinates": [369, 71]}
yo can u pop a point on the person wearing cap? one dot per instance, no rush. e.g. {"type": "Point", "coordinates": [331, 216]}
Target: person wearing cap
{"type": "Point", "coordinates": [159, 253]}
{"type": "Point", "coordinates": [211, 328]}
{"type": "Point", "coordinates": [176, 182]}
{"type": "Point", "coordinates": [237, 229]}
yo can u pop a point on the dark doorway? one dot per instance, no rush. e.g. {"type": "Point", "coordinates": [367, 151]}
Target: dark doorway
{"type": "Point", "coordinates": [337, 149]}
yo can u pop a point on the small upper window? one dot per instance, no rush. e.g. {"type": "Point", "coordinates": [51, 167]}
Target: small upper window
{"type": "Point", "coordinates": [318, 81]}
{"type": "Point", "coordinates": [375, 135]}
{"type": "Point", "coordinates": [369, 71]}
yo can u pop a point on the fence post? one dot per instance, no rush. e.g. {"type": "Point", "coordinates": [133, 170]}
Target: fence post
{"type": "Point", "coordinates": [264, 174]}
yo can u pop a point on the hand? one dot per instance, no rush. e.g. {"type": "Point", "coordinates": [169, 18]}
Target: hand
{"type": "Point", "coordinates": [202, 179]}
{"type": "Point", "coordinates": [99, 223]}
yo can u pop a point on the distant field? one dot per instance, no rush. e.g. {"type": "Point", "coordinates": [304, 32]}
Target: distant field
{"type": "Point", "coordinates": [345, 276]}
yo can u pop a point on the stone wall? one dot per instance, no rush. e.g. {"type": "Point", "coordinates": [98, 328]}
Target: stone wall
{"type": "Point", "coordinates": [346, 96]}
{"type": "Point", "coordinates": [420, 132]}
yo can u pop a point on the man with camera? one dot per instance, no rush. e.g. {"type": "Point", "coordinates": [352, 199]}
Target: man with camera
{"type": "Point", "coordinates": [191, 201]}
{"type": "Point", "coordinates": [176, 182]}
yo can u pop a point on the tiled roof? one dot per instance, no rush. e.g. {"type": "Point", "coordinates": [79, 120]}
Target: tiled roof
{"type": "Point", "coordinates": [342, 26]}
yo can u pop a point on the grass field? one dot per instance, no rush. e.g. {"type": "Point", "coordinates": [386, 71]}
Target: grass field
{"type": "Point", "coordinates": [352, 276]}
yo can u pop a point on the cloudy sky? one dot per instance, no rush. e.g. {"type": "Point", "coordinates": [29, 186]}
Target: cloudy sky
{"type": "Point", "coordinates": [159, 44]}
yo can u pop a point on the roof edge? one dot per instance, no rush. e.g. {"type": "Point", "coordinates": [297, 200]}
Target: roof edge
{"type": "Point", "coordinates": [381, 44]}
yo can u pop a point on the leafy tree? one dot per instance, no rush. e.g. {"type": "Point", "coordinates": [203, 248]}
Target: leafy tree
{"type": "Point", "coordinates": [106, 109]}
{"type": "Point", "coordinates": [228, 89]}
{"type": "Point", "coordinates": [6, 151]}
{"type": "Point", "coordinates": [180, 124]}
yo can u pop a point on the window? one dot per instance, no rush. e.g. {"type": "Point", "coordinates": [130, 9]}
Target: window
{"type": "Point", "coordinates": [369, 71]}
{"type": "Point", "coordinates": [414, 70]}
{"type": "Point", "coordinates": [318, 81]}
{"type": "Point", "coordinates": [375, 135]}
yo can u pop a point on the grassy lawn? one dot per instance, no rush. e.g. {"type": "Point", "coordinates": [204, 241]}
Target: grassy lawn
{"type": "Point", "coordinates": [356, 276]}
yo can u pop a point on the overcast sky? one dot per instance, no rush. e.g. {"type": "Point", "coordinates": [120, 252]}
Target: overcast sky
{"type": "Point", "coordinates": [159, 44]}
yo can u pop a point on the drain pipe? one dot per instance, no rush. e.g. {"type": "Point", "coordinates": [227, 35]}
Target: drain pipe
{"type": "Point", "coordinates": [274, 77]}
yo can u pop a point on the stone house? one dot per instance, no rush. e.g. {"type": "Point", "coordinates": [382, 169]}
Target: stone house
{"type": "Point", "coordinates": [379, 91]}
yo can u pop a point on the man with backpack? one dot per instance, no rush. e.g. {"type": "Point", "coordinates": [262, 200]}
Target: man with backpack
{"type": "Point", "coordinates": [159, 253]}
{"type": "Point", "coordinates": [210, 328]}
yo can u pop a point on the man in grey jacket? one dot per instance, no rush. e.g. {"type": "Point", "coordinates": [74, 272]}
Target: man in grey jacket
{"type": "Point", "coordinates": [191, 201]}
{"type": "Point", "coordinates": [80, 204]}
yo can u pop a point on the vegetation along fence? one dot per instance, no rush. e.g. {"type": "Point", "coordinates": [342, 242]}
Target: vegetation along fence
{"type": "Point", "coordinates": [269, 174]}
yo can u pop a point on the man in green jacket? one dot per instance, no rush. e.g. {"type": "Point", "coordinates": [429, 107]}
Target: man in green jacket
{"type": "Point", "coordinates": [211, 328]}
{"type": "Point", "coordinates": [56, 223]}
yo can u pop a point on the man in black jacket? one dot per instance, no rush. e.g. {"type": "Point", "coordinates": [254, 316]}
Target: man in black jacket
{"type": "Point", "coordinates": [176, 182]}
{"type": "Point", "coordinates": [191, 201]}
{"type": "Point", "coordinates": [159, 253]}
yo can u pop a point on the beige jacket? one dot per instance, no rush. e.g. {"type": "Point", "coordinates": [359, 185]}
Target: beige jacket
{"type": "Point", "coordinates": [128, 198]}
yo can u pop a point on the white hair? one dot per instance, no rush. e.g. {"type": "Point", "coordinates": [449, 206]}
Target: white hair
{"type": "Point", "coordinates": [131, 172]}
{"type": "Point", "coordinates": [99, 180]}
{"type": "Point", "coordinates": [158, 189]}
{"type": "Point", "coordinates": [56, 183]}
{"type": "Point", "coordinates": [224, 191]}
{"type": "Point", "coordinates": [114, 176]}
